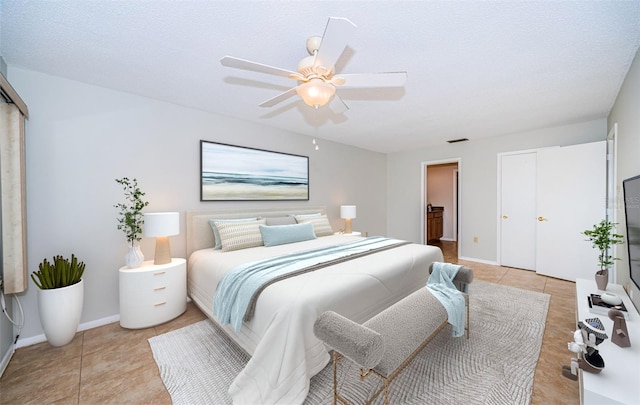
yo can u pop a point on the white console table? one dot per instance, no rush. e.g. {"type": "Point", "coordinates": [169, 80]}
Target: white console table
{"type": "Point", "coordinates": [619, 381]}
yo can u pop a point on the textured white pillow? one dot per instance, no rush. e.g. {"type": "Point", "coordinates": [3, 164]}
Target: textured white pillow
{"type": "Point", "coordinates": [321, 225]}
{"type": "Point", "coordinates": [216, 234]}
{"type": "Point", "coordinates": [240, 235]}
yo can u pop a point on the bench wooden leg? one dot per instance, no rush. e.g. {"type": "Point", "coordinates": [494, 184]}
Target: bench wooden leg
{"type": "Point", "coordinates": [466, 305]}
{"type": "Point", "coordinates": [335, 377]}
{"type": "Point", "coordinates": [467, 327]}
{"type": "Point", "coordinates": [336, 397]}
{"type": "Point", "coordinates": [386, 392]}
{"type": "Point", "coordinates": [384, 388]}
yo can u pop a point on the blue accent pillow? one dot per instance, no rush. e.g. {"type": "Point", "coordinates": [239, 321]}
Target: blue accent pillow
{"type": "Point", "coordinates": [282, 234]}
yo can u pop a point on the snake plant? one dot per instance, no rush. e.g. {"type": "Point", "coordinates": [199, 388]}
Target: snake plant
{"type": "Point", "coordinates": [62, 272]}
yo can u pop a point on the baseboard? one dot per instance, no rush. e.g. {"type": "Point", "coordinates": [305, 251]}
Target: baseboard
{"type": "Point", "coordinates": [472, 259]}
{"type": "Point", "coordinates": [32, 340]}
{"type": "Point", "coordinates": [99, 322]}
{"type": "Point", "coordinates": [7, 358]}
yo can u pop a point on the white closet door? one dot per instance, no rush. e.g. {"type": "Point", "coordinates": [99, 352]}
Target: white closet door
{"type": "Point", "coordinates": [571, 197]}
{"type": "Point", "coordinates": [518, 211]}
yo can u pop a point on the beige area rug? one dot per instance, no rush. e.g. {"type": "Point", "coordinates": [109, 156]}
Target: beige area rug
{"type": "Point", "coordinates": [494, 366]}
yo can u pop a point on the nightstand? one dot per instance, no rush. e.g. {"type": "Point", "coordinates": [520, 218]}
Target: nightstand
{"type": "Point", "coordinates": [152, 294]}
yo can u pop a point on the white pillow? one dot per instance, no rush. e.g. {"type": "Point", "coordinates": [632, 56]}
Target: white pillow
{"type": "Point", "coordinates": [315, 214]}
{"type": "Point", "coordinates": [281, 221]}
{"type": "Point", "coordinates": [240, 235]}
{"type": "Point", "coordinates": [321, 225]}
{"type": "Point", "coordinates": [216, 235]}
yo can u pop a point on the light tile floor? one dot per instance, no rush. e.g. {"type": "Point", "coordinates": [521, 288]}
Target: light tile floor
{"type": "Point", "coordinates": [110, 364]}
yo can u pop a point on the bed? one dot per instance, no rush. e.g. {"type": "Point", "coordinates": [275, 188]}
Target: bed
{"type": "Point", "coordinates": [284, 352]}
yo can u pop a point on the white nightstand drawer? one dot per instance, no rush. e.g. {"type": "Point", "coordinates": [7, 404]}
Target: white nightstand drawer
{"type": "Point", "coordinates": [150, 294]}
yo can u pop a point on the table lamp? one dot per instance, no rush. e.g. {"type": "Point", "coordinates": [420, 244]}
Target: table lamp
{"type": "Point", "coordinates": [161, 225]}
{"type": "Point", "coordinates": [347, 212]}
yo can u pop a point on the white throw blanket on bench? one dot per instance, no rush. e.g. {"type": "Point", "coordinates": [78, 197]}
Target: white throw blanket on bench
{"type": "Point", "coordinates": [440, 283]}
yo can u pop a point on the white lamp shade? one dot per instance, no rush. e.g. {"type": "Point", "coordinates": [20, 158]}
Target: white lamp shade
{"type": "Point", "coordinates": [347, 211]}
{"type": "Point", "coordinates": [161, 224]}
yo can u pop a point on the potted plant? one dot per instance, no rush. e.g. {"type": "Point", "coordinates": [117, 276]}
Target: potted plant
{"type": "Point", "coordinates": [60, 297]}
{"type": "Point", "coordinates": [131, 219]}
{"type": "Point", "coordinates": [602, 237]}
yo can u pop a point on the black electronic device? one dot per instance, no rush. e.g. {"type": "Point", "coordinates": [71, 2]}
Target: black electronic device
{"type": "Point", "coordinates": [631, 190]}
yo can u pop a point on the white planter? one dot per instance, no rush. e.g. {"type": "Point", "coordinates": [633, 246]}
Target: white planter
{"type": "Point", "coordinates": [134, 257]}
{"type": "Point", "coordinates": [602, 279]}
{"type": "Point", "coordinates": [60, 310]}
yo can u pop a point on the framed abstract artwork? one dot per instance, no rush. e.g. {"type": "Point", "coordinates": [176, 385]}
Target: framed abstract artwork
{"type": "Point", "coordinates": [238, 173]}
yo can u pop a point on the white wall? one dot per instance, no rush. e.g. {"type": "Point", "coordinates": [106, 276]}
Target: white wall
{"type": "Point", "coordinates": [478, 182]}
{"type": "Point", "coordinates": [626, 113]}
{"type": "Point", "coordinates": [80, 138]}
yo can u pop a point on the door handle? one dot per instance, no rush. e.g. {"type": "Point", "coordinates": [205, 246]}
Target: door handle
{"type": "Point", "coordinates": [505, 217]}
{"type": "Point", "coordinates": [542, 219]}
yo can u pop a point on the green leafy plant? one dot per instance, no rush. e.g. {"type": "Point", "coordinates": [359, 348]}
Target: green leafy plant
{"type": "Point", "coordinates": [602, 238]}
{"type": "Point", "coordinates": [131, 218]}
{"type": "Point", "coordinates": [62, 272]}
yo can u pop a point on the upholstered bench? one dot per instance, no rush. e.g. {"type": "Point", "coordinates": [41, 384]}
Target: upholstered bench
{"type": "Point", "coordinates": [386, 343]}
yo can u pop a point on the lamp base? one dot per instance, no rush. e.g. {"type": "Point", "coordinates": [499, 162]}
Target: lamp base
{"type": "Point", "coordinates": [347, 225]}
{"type": "Point", "coordinates": [163, 251]}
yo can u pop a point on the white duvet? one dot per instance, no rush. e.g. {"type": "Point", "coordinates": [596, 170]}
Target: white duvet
{"type": "Point", "coordinates": [285, 353]}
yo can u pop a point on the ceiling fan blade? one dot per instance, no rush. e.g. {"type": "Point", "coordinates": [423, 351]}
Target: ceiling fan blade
{"type": "Point", "coordinates": [279, 98]}
{"type": "Point", "coordinates": [233, 62]}
{"type": "Point", "coordinates": [337, 105]}
{"type": "Point", "coordinates": [387, 79]}
{"type": "Point", "coordinates": [337, 35]}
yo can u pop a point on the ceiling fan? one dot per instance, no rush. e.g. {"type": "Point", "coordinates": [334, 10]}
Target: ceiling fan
{"type": "Point", "coordinates": [315, 73]}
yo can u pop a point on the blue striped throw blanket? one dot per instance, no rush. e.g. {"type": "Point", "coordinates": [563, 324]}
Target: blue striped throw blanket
{"type": "Point", "coordinates": [238, 290]}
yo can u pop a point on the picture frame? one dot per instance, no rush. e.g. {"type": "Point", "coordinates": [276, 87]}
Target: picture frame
{"type": "Point", "coordinates": [240, 173]}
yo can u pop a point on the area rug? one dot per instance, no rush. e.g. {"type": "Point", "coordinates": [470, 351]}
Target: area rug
{"type": "Point", "coordinates": [494, 366]}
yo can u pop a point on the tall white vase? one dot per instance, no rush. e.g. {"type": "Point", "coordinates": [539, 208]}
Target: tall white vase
{"type": "Point", "coordinates": [134, 257]}
{"type": "Point", "coordinates": [60, 310]}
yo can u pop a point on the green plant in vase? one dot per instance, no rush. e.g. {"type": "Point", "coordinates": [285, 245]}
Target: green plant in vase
{"type": "Point", "coordinates": [59, 273]}
{"type": "Point", "coordinates": [603, 237]}
{"type": "Point", "coordinates": [131, 218]}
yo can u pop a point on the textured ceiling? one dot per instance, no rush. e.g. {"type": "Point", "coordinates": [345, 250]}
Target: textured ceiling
{"type": "Point", "coordinates": [475, 69]}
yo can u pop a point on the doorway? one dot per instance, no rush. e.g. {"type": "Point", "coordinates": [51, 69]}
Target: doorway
{"type": "Point", "coordinates": [440, 201]}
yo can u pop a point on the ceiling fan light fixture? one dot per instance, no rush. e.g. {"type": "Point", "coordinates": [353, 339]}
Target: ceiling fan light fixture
{"type": "Point", "coordinates": [315, 75]}
{"type": "Point", "coordinates": [315, 92]}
